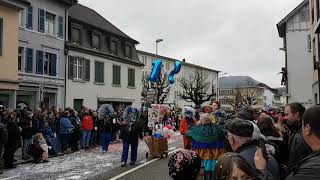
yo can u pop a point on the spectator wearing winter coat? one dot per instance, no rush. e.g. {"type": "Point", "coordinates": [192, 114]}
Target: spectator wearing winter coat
{"type": "Point", "coordinates": [218, 113]}
{"type": "Point", "coordinates": [51, 120]}
{"type": "Point", "coordinates": [94, 132]}
{"type": "Point", "coordinates": [14, 139]}
{"type": "Point", "coordinates": [66, 129]}
{"type": "Point", "coordinates": [105, 130]}
{"type": "Point", "coordinates": [47, 131]}
{"type": "Point", "coordinates": [296, 144]}
{"type": "Point", "coordinates": [3, 141]}
{"type": "Point", "coordinates": [27, 132]}
{"type": "Point", "coordinates": [87, 126]}
{"type": "Point", "coordinates": [240, 138]}
{"type": "Point", "coordinates": [273, 138]}
{"type": "Point", "coordinates": [43, 145]}
{"type": "Point", "coordinates": [76, 133]}
{"type": "Point", "coordinates": [309, 167]}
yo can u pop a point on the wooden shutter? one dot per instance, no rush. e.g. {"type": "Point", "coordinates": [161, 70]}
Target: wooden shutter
{"type": "Point", "coordinates": [39, 57]}
{"type": "Point", "coordinates": [86, 70]}
{"type": "Point", "coordinates": [116, 75]}
{"type": "Point", "coordinates": [29, 61]}
{"type": "Point", "coordinates": [70, 67]}
{"type": "Point", "coordinates": [99, 72]}
{"type": "Point", "coordinates": [41, 20]}
{"type": "Point", "coordinates": [30, 17]}
{"type": "Point", "coordinates": [53, 65]}
{"type": "Point", "coordinates": [60, 28]}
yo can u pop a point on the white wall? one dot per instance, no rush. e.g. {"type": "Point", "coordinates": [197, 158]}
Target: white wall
{"type": "Point", "coordinates": [300, 68]}
{"type": "Point", "coordinates": [90, 92]}
{"type": "Point", "coordinates": [269, 95]}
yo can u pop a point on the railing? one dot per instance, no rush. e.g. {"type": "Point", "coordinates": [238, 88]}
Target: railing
{"type": "Point", "coordinates": [28, 77]}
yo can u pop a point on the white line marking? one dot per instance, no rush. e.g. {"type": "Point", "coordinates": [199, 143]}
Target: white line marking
{"type": "Point", "coordinates": [140, 166]}
{"type": "Point", "coordinates": [143, 161]}
{"type": "Point", "coordinates": [9, 177]}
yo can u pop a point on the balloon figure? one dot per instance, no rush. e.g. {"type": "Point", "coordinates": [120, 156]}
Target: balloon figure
{"type": "Point", "coordinates": [155, 72]}
{"type": "Point", "coordinates": [175, 71]}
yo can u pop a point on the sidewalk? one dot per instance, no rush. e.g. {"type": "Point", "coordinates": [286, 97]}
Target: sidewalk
{"type": "Point", "coordinates": [18, 155]}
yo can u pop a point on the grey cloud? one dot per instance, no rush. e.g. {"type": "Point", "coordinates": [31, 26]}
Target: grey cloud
{"type": "Point", "coordinates": [234, 36]}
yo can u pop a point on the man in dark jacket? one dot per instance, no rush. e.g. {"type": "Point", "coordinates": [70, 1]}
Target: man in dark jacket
{"type": "Point", "coordinates": [3, 141]}
{"type": "Point", "coordinates": [309, 167]}
{"type": "Point", "coordinates": [296, 145]}
{"type": "Point", "coordinates": [13, 141]}
{"type": "Point", "coordinates": [240, 139]}
{"type": "Point", "coordinates": [27, 132]}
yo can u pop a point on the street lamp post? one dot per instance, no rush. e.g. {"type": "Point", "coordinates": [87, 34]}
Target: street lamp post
{"type": "Point", "coordinates": [157, 83]}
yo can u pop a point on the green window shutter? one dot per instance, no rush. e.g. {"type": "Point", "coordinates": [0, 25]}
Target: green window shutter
{"type": "Point", "coordinates": [131, 77]}
{"type": "Point", "coordinates": [113, 74]}
{"type": "Point", "coordinates": [70, 69]}
{"type": "Point", "coordinates": [99, 72]}
{"type": "Point", "coordinates": [87, 70]}
{"type": "Point", "coordinates": [116, 75]}
{"type": "Point", "coordinates": [1, 35]}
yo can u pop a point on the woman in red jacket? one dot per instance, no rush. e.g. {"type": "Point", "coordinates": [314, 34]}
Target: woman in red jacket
{"type": "Point", "coordinates": [87, 126]}
{"type": "Point", "coordinates": [186, 123]}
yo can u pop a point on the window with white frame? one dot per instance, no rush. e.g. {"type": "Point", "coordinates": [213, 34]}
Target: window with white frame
{"type": "Point", "coordinates": [22, 18]}
{"type": "Point", "coordinates": [50, 24]}
{"type": "Point", "coordinates": [78, 68]}
{"type": "Point", "coordinates": [20, 58]}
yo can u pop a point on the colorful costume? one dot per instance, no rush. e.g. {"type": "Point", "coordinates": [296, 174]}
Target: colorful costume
{"type": "Point", "coordinates": [186, 123]}
{"type": "Point", "coordinates": [208, 143]}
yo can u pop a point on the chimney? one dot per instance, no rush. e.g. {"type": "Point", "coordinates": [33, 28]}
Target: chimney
{"type": "Point", "coordinates": [183, 60]}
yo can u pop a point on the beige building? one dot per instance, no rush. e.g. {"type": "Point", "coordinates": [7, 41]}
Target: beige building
{"type": "Point", "coordinates": [9, 27]}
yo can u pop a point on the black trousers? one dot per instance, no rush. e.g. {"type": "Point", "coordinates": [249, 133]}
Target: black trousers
{"type": "Point", "coordinates": [8, 156]}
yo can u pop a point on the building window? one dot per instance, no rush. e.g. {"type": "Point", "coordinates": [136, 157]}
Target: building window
{"type": "Point", "coordinates": [20, 58]}
{"type": "Point", "coordinates": [131, 77]}
{"type": "Point", "coordinates": [75, 35]}
{"type": "Point", "coordinates": [127, 51]}
{"type": "Point", "coordinates": [99, 72]}
{"type": "Point", "coordinates": [114, 47]}
{"type": "Point", "coordinates": [79, 68]}
{"type": "Point", "coordinates": [1, 36]}
{"type": "Point", "coordinates": [29, 60]}
{"type": "Point", "coordinates": [49, 64]}
{"type": "Point", "coordinates": [22, 18]}
{"type": "Point", "coordinates": [144, 60]}
{"type": "Point", "coordinates": [77, 104]}
{"type": "Point", "coordinates": [116, 75]}
{"type": "Point", "coordinates": [50, 24]}
{"type": "Point", "coordinates": [30, 17]}
{"type": "Point", "coordinates": [95, 41]}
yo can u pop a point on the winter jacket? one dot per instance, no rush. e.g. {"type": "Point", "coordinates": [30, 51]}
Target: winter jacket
{"type": "Point", "coordinates": [14, 140]}
{"type": "Point", "coordinates": [87, 123]}
{"type": "Point", "coordinates": [65, 126]}
{"type": "Point", "coordinates": [3, 135]}
{"type": "Point", "coordinates": [47, 132]}
{"type": "Point", "coordinates": [248, 150]}
{"type": "Point", "coordinates": [105, 125]}
{"type": "Point", "coordinates": [307, 169]}
{"type": "Point", "coordinates": [132, 132]}
{"type": "Point", "coordinates": [27, 129]}
{"type": "Point", "coordinates": [52, 123]}
{"type": "Point", "coordinates": [220, 116]}
{"type": "Point", "coordinates": [298, 151]}
{"type": "Point", "coordinates": [281, 153]}
{"type": "Point", "coordinates": [75, 121]}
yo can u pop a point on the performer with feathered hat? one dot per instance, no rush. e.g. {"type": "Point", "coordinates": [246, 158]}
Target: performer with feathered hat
{"type": "Point", "coordinates": [105, 113]}
{"type": "Point", "coordinates": [186, 123]}
{"type": "Point", "coordinates": [131, 132]}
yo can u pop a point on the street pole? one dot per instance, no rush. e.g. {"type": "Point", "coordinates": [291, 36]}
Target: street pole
{"type": "Point", "coordinates": [157, 84]}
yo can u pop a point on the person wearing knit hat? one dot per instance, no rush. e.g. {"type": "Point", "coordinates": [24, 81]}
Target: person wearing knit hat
{"type": "Point", "coordinates": [185, 164]}
{"type": "Point", "coordinates": [239, 134]}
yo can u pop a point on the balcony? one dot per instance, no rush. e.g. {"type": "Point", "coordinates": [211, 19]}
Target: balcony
{"type": "Point", "coordinates": [43, 79]}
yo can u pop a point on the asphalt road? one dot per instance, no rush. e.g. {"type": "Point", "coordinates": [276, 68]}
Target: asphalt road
{"type": "Point", "coordinates": [150, 168]}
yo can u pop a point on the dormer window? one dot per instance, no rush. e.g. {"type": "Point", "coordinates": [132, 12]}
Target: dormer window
{"type": "Point", "coordinates": [114, 47]}
{"type": "Point", "coordinates": [95, 42]}
{"type": "Point", "coordinates": [75, 35]}
{"type": "Point", "coordinates": [127, 51]}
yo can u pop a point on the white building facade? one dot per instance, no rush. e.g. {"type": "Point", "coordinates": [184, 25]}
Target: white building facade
{"type": "Point", "coordinates": [187, 69]}
{"type": "Point", "coordinates": [102, 63]}
{"type": "Point", "coordinates": [295, 31]}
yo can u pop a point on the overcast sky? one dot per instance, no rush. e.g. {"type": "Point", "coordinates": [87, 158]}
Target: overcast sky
{"type": "Point", "coordinates": [232, 36]}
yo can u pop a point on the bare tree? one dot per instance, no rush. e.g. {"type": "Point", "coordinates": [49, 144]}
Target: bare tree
{"type": "Point", "coordinates": [242, 97]}
{"type": "Point", "coordinates": [195, 87]}
{"type": "Point", "coordinates": [155, 92]}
